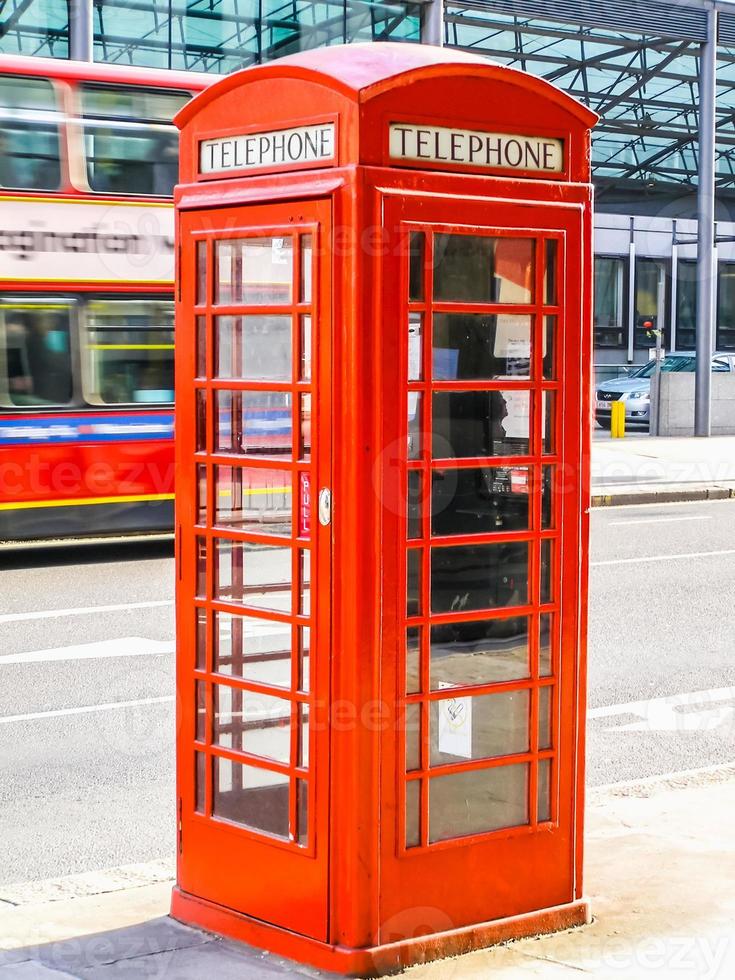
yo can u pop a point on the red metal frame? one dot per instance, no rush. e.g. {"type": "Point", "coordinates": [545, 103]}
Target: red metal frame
{"type": "Point", "coordinates": [542, 871]}
{"type": "Point", "coordinates": [300, 868]}
{"type": "Point", "coordinates": [379, 891]}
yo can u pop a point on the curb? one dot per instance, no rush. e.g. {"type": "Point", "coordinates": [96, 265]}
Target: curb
{"type": "Point", "coordinates": [662, 496]}
{"type": "Point", "coordinates": [88, 883]}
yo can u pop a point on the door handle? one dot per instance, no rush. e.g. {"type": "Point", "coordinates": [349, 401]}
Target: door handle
{"type": "Point", "coordinates": [325, 506]}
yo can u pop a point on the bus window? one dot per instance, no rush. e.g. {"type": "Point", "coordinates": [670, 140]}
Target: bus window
{"type": "Point", "coordinates": [29, 134]}
{"type": "Point", "coordinates": [128, 348]}
{"type": "Point", "coordinates": [36, 353]}
{"type": "Point", "coordinates": [130, 144]}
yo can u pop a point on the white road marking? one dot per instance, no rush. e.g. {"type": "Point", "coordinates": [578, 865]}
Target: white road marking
{"type": "Point", "coordinates": [660, 520]}
{"type": "Point", "coordinates": [661, 714]}
{"type": "Point", "coordinates": [84, 709]}
{"type": "Point", "coordinates": [81, 611]}
{"type": "Point", "coordinates": [645, 558]}
{"type": "Point", "coordinates": [124, 646]}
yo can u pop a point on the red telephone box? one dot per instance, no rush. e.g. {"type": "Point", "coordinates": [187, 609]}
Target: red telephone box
{"type": "Point", "coordinates": [383, 364]}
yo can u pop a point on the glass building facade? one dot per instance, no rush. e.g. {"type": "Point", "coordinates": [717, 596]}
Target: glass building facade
{"type": "Point", "coordinates": [636, 62]}
{"type": "Point", "coordinates": [203, 35]}
{"type": "Point", "coordinates": [643, 83]}
{"type": "Point", "coordinates": [38, 27]}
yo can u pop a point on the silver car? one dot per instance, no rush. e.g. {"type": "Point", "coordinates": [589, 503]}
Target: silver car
{"type": "Point", "coordinates": [635, 389]}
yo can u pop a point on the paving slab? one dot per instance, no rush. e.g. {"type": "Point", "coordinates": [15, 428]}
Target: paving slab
{"type": "Point", "coordinates": [660, 860]}
{"type": "Point", "coordinates": [658, 470]}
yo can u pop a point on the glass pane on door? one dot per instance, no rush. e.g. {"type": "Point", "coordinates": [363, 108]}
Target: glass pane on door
{"type": "Point", "coordinates": [256, 568]}
{"type": "Point", "coordinates": [487, 398]}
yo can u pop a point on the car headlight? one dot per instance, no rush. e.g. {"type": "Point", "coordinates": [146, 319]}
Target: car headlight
{"type": "Point", "coordinates": [635, 395]}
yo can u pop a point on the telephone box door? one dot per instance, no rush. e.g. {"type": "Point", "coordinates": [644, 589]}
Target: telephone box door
{"type": "Point", "coordinates": [481, 819]}
{"type": "Point", "coordinates": [253, 458]}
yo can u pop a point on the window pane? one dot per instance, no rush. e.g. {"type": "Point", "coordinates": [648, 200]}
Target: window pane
{"type": "Point", "coordinates": [417, 245]}
{"type": "Point", "coordinates": [477, 501]}
{"type": "Point", "coordinates": [544, 790]}
{"type": "Point", "coordinates": [414, 424]}
{"type": "Point", "coordinates": [29, 156]}
{"type": "Point", "coordinates": [413, 805]}
{"type": "Point", "coordinates": [413, 737]}
{"type": "Point", "coordinates": [413, 660]}
{"type": "Point", "coordinates": [415, 350]}
{"type": "Point", "coordinates": [255, 723]}
{"type": "Point", "coordinates": [201, 330]}
{"type": "Point", "coordinates": [254, 575]}
{"type": "Point", "coordinates": [254, 649]}
{"type": "Point", "coordinates": [201, 495]}
{"type": "Point", "coordinates": [545, 642]}
{"type": "Point", "coordinates": [478, 801]}
{"type": "Point", "coordinates": [547, 497]}
{"type": "Point", "coordinates": [36, 338]}
{"type": "Point", "coordinates": [227, 266]}
{"type": "Point", "coordinates": [483, 652]}
{"type": "Point", "coordinates": [129, 347]}
{"type": "Point", "coordinates": [608, 293]}
{"type": "Point", "coordinates": [304, 582]}
{"type": "Point", "coordinates": [254, 348]}
{"type": "Point", "coordinates": [547, 571]}
{"type": "Point", "coordinates": [256, 500]}
{"type": "Point", "coordinates": [649, 300]}
{"type": "Point", "coordinates": [253, 423]}
{"type": "Point", "coordinates": [480, 423]}
{"type": "Point", "coordinates": [305, 426]}
{"type": "Point", "coordinates": [201, 568]}
{"type": "Point", "coordinates": [414, 504]}
{"type": "Point", "coordinates": [550, 272]}
{"type": "Point", "coordinates": [201, 711]}
{"type": "Point", "coordinates": [201, 283]}
{"type": "Point", "coordinates": [480, 576]}
{"type": "Point", "coordinates": [29, 141]}
{"type": "Point", "coordinates": [474, 269]}
{"type": "Point", "coordinates": [549, 363]}
{"type": "Point", "coordinates": [200, 769]}
{"type": "Point", "coordinates": [473, 346]}
{"type": "Point", "coordinates": [201, 420]}
{"type": "Point", "coordinates": [267, 271]}
{"type": "Point", "coordinates": [303, 724]}
{"type": "Point", "coordinates": [726, 307]}
{"type": "Point", "coordinates": [255, 798]}
{"type": "Point", "coordinates": [413, 582]}
{"type": "Point", "coordinates": [479, 727]}
{"type": "Point", "coordinates": [545, 718]}
{"type": "Point", "coordinates": [305, 327]}
{"type": "Point", "coordinates": [130, 145]}
{"type": "Point", "coordinates": [304, 637]}
{"type": "Point", "coordinates": [306, 268]}
{"type": "Point", "coordinates": [548, 401]}
{"type": "Point", "coordinates": [201, 640]}
{"type": "Point", "coordinates": [302, 811]}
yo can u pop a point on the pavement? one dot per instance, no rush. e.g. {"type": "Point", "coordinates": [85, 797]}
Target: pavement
{"type": "Point", "coordinates": [660, 850]}
{"type": "Point", "coordinates": [640, 469]}
{"type": "Point", "coordinates": [660, 855]}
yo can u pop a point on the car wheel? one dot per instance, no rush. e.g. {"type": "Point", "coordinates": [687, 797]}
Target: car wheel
{"type": "Point", "coordinates": [604, 423]}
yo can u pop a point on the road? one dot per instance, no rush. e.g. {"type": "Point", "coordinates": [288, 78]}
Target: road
{"type": "Point", "coordinates": [661, 623]}
{"type": "Point", "coordinates": [92, 628]}
{"type": "Point", "coordinates": [89, 790]}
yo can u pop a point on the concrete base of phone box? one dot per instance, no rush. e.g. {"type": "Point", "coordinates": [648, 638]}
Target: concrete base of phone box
{"type": "Point", "coordinates": [374, 961]}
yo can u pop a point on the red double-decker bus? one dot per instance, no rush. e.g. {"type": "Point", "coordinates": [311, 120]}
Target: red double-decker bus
{"type": "Point", "coordinates": [88, 161]}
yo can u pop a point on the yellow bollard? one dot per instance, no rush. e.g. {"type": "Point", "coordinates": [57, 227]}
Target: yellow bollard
{"type": "Point", "coordinates": [617, 420]}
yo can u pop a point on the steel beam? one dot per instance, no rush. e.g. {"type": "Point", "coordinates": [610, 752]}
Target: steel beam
{"type": "Point", "coordinates": [706, 256]}
{"type": "Point", "coordinates": [432, 22]}
{"type": "Point", "coordinates": [81, 30]}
